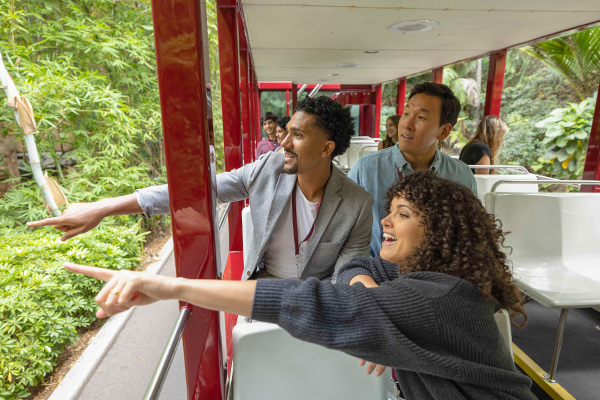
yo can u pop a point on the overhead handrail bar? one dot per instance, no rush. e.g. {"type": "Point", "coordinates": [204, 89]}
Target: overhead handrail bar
{"type": "Point", "coordinates": [302, 89]}
{"type": "Point", "coordinates": [160, 373]}
{"type": "Point", "coordinates": [512, 168]}
{"type": "Point", "coordinates": [537, 182]}
{"type": "Point", "coordinates": [315, 90]}
{"type": "Point", "coordinates": [224, 216]}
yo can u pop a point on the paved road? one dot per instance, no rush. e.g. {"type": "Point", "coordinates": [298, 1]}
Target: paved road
{"type": "Point", "coordinates": [125, 371]}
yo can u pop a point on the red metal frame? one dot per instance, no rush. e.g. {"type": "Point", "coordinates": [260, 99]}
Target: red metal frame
{"type": "Point", "coordinates": [287, 103]}
{"type": "Point", "coordinates": [437, 75]}
{"type": "Point", "coordinates": [495, 83]}
{"type": "Point", "coordinates": [182, 88]}
{"type": "Point", "coordinates": [354, 98]}
{"type": "Point", "coordinates": [592, 159]}
{"type": "Point", "coordinates": [294, 97]}
{"type": "Point", "coordinates": [378, 101]}
{"type": "Point", "coordinates": [229, 65]}
{"type": "Point", "coordinates": [401, 96]}
{"type": "Point", "coordinates": [366, 120]}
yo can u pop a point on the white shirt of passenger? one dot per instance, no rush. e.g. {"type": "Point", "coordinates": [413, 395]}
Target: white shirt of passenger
{"type": "Point", "coordinates": [280, 256]}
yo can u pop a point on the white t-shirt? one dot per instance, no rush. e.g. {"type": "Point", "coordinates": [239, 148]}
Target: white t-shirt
{"type": "Point", "coordinates": [280, 256]}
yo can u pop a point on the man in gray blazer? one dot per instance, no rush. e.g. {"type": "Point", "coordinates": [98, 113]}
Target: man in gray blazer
{"type": "Point", "coordinates": [308, 217]}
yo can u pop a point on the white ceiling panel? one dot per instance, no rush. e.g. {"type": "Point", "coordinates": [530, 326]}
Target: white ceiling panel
{"type": "Point", "coordinates": [313, 39]}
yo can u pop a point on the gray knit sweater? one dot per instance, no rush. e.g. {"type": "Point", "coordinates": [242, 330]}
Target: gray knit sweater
{"type": "Point", "coordinates": [433, 328]}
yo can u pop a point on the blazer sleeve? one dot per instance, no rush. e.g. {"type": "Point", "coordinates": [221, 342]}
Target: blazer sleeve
{"type": "Point", "coordinates": [359, 240]}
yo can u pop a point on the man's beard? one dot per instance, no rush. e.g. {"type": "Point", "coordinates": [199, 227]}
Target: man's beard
{"type": "Point", "coordinates": [292, 170]}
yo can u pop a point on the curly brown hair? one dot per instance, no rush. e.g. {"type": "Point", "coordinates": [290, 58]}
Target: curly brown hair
{"type": "Point", "coordinates": [461, 239]}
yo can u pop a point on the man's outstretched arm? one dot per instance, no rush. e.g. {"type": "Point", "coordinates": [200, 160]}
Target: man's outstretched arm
{"type": "Point", "coordinates": [81, 217]}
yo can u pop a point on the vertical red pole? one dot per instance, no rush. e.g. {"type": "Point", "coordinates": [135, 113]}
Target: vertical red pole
{"type": "Point", "coordinates": [401, 96]}
{"type": "Point", "coordinates": [495, 83]}
{"type": "Point", "coordinates": [246, 107]}
{"type": "Point", "coordinates": [229, 64]}
{"type": "Point", "coordinates": [294, 97]}
{"type": "Point", "coordinates": [182, 89]}
{"type": "Point", "coordinates": [437, 75]}
{"type": "Point", "coordinates": [592, 160]}
{"type": "Point", "coordinates": [378, 101]}
{"type": "Point", "coordinates": [287, 103]}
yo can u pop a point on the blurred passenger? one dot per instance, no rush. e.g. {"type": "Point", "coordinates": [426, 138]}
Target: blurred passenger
{"type": "Point", "coordinates": [425, 307]}
{"type": "Point", "coordinates": [484, 147]}
{"type": "Point", "coordinates": [285, 192]}
{"type": "Point", "coordinates": [269, 124]}
{"type": "Point", "coordinates": [281, 132]}
{"type": "Point", "coordinates": [391, 133]}
{"type": "Point", "coordinates": [431, 112]}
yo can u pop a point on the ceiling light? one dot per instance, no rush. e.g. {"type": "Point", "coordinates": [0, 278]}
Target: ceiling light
{"type": "Point", "coordinates": [333, 74]}
{"type": "Point", "coordinates": [349, 65]}
{"type": "Point", "coordinates": [321, 80]}
{"type": "Point", "coordinates": [371, 51]}
{"type": "Point", "coordinates": [418, 25]}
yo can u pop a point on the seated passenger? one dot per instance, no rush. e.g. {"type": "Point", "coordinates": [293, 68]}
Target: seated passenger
{"type": "Point", "coordinates": [391, 133]}
{"type": "Point", "coordinates": [431, 112]}
{"type": "Point", "coordinates": [484, 147]}
{"type": "Point", "coordinates": [425, 308]}
{"type": "Point", "coordinates": [304, 180]}
{"type": "Point", "coordinates": [269, 143]}
{"type": "Point", "coordinates": [281, 132]}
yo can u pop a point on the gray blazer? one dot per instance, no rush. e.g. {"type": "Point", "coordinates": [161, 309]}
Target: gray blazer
{"type": "Point", "coordinates": [342, 228]}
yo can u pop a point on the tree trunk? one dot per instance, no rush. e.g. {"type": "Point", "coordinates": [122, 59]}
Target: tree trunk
{"type": "Point", "coordinates": [8, 163]}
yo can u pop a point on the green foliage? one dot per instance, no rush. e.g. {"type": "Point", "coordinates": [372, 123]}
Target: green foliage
{"type": "Point", "coordinates": [567, 135]}
{"type": "Point", "coordinates": [88, 68]}
{"type": "Point", "coordinates": [42, 304]}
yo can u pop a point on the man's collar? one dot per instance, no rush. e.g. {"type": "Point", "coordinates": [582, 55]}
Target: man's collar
{"type": "Point", "coordinates": [401, 161]}
{"type": "Point", "coordinates": [437, 161]}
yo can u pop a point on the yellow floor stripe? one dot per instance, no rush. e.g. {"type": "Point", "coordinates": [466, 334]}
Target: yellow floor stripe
{"type": "Point", "coordinates": [555, 391]}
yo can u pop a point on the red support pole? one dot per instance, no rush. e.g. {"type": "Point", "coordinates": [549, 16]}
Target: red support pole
{"type": "Point", "coordinates": [592, 160]}
{"type": "Point", "coordinates": [401, 96]}
{"type": "Point", "coordinates": [495, 83]}
{"type": "Point", "coordinates": [246, 107]}
{"type": "Point", "coordinates": [229, 65]}
{"type": "Point", "coordinates": [378, 101]}
{"type": "Point", "coordinates": [294, 97]}
{"type": "Point", "coordinates": [287, 103]}
{"type": "Point", "coordinates": [182, 88]}
{"type": "Point", "coordinates": [437, 75]}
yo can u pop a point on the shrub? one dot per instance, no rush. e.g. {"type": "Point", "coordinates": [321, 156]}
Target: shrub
{"type": "Point", "coordinates": [42, 304]}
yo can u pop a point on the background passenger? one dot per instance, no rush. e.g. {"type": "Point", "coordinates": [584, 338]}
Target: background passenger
{"type": "Point", "coordinates": [269, 143]}
{"type": "Point", "coordinates": [431, 112]}
{"type": "Point", "coordinates": [281, 132]}
{"type": "Point", "coordinates": [484, 147]}
{"type": "Point", "coordinates": [391, 133]}
{"type": "Point", "coordinates": [425, 308]}
{"type": "Point", "coordinates": [304, 178]}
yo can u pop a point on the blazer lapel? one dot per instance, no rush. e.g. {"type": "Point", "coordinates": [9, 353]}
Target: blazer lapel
{"type": "Point", "coordinates": [329, 205]}
{"type": "Point", "coordinates": [283, 192]}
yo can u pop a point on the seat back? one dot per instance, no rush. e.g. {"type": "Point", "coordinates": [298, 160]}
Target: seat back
{"type": "Point", "coordinates": [485, 183]}
{"type": "Point", "coordinates": [270, 364]}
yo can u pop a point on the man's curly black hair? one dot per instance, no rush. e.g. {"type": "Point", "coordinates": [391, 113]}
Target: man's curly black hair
{"type": "Point", "coordinates": [461, 239]}
{"type": "Point", "coordinates": [282, 122]}
{"type": "Point", "coordinates": [331, 118]}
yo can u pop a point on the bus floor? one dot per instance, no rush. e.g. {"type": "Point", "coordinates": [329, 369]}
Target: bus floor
{"type": "Point", "coordinates": [125, 372]}
{"type": "Point", "coordinates": [578, 370]}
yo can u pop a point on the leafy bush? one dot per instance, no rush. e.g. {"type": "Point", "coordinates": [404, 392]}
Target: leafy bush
{"type": "Point", "coordinates": [567, 135]}
{"type": "Point", "coordinates": [42, 304]}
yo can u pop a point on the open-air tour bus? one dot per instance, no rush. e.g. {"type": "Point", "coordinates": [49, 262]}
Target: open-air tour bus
{"type": "Point", "coordinates": [350, 49]}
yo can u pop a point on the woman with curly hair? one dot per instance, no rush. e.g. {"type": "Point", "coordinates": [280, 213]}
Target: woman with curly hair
{"type": "Point", "coordinates": [425, 308]}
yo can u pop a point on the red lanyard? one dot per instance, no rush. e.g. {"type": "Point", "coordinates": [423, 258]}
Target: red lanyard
{"type": "Point", "coordinates": [270, 145]}
{"type": "Point", "coordinates": [295, 223]}
{"type": "Point", "coordinates": [400, 176]}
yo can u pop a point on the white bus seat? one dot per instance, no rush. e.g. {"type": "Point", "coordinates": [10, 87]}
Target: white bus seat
{"type": "Point", "coordinates": [503, 321]}
{"type": "Point", "coordinates": [368, 149]}
{"type": "Point", "coordinates": [485, 183]}
{"type": "Point", "coordinates": [270, 364]}
{"type": "Point", "coordinates": [555, 240]}
{"type": "Point", "coordinates": [247, 230]}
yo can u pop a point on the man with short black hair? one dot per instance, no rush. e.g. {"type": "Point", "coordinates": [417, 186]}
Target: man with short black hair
{"type": "Point", "coordinates": [268, 121]}
{"type": "Point", "coordinates": [308, 218]}
{"type": "Point", "coordinates": [431, 112]}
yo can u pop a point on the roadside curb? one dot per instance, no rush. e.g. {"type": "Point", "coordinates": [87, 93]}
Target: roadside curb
{"type": "Point", "coordinates": [74, 382]}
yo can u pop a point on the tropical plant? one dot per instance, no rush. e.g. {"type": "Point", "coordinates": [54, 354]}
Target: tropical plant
{"type": "Point", "coordinates": [567, 135]}
{"type": "Point", "coordinates": [576, 57]}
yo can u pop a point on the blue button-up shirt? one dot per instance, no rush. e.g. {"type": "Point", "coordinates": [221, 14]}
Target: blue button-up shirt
{"type": "Point", "coordinates": [377, 171]}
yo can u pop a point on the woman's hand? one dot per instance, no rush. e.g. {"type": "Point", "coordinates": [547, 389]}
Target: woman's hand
{"type": "Point", "coordinates": [125, 289]}
{"type": "Point", "coordinates": [373, 367]}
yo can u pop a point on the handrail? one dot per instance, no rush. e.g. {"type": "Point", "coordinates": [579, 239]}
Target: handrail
{"type": "Point", "coordinates": [224, 216]}
{"type": "Point", "coordinates": [511, 168]}
{"type": "Point", "coordinates": [536, 182]}
{"type": "Point", "coordinates": [160, 373]}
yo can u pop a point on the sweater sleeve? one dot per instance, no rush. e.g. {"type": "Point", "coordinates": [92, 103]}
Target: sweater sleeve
{"type": "Point", "coordinates": [377, 268]}
{"type": "Point", "coordinates": [383, 325]}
